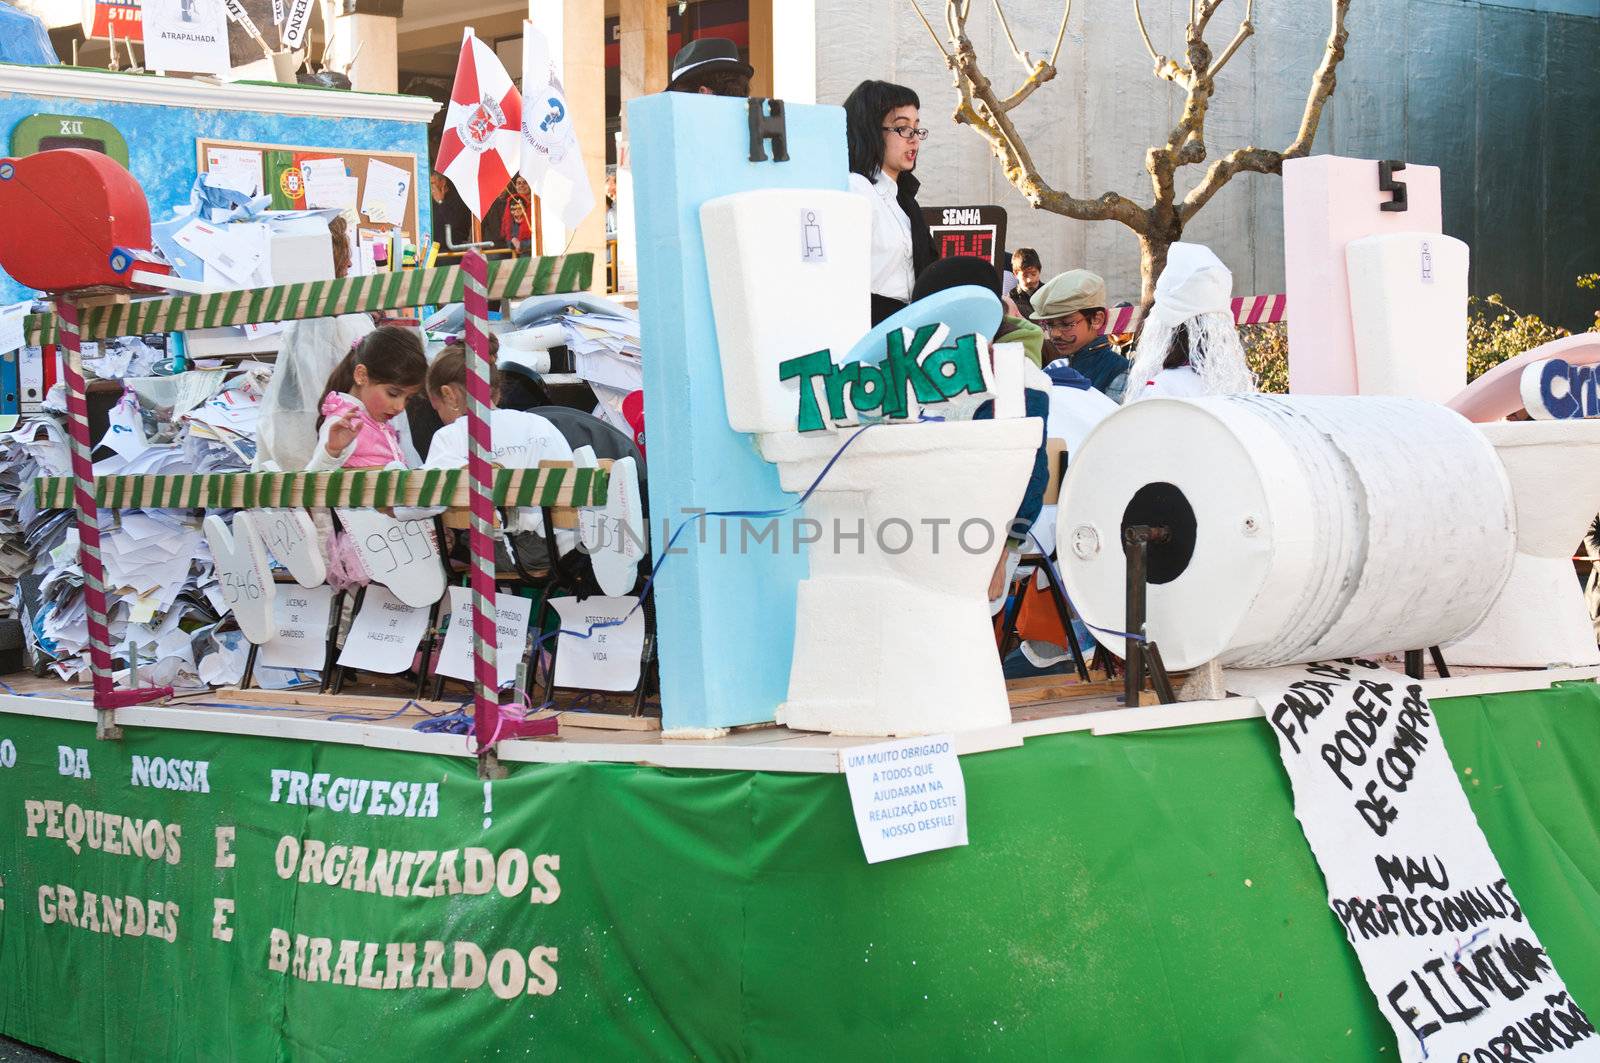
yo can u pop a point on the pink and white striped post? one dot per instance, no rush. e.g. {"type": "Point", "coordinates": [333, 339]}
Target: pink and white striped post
{"type": "Point", "coordinates": [488, 722]}
{"type": "Point", "coordinates": [107, 699]}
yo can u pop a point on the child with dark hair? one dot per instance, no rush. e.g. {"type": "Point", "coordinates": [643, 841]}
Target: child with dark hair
{"type": "Point", "coordinates": [519, 440]}
{"type": "Point", "coordinates": [883, 139]}
{"type": "Point", "coordinates": [363, 395]}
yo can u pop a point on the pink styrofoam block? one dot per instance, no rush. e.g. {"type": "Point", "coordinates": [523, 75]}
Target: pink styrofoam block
{"type": "Point", "coordinates": [1328, 201]}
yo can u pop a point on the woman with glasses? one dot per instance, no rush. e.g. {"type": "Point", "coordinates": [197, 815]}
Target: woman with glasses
{"type": "Point", "coordinates": [884, 137]}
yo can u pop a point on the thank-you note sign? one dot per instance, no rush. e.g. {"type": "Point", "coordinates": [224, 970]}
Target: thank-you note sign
{"type": "Point", "coordinates": [1445, 946]}
{"type": "Point", "coordinates": [909, 796]}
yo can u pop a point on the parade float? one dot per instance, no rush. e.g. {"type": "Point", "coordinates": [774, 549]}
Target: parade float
{"type": "Point", "coordinates": [1036, 869]}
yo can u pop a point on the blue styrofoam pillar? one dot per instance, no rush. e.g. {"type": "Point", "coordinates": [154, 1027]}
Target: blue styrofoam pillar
{"type": "Point", "coordinates": [725, 609]}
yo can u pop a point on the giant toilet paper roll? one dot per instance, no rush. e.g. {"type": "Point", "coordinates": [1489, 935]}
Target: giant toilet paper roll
{"type": "Point", "coordinates": [1302, 528]}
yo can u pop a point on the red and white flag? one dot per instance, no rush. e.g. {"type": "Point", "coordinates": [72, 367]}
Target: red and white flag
{"type": "Point", "coordinates": [482, 143]}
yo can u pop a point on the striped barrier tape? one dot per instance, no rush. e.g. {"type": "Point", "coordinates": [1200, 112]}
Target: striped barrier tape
{"type": "Point", "coordinates": [556, 484]}
{"type": "Point", "coordinates": [513, 278]}
{"type": "Point", "coordinates": [1247, 310]}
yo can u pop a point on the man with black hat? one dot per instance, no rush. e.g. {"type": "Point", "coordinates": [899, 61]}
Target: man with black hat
{"type": "Point", "coordinates": [710, 65]}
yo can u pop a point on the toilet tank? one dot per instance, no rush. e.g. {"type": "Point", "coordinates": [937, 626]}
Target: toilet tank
{"type": "Point", "coordinates": [790, 274]}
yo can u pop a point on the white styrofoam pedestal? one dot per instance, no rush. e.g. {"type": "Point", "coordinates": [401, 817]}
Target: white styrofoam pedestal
{"type": "Point", "coordinates": [918, 661]}
{"type": "Point", "coordinates": [892, 628]}
{"type": "Point", "coordinates": [1540, 617]}
{"type": "Point", "coordinates": [1540, 620]}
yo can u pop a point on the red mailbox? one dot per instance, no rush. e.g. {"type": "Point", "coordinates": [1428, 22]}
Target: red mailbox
{"type": "Point", "coordinates": [74, 219]}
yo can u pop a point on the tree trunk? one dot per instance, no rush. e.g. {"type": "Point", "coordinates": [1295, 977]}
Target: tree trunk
{"type": "Point", "coordinates": [1152, 260]}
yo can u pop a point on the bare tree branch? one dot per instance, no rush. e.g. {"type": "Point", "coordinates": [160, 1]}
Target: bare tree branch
{"type": "Point", "coordinates": [1061, 34]}
{"type": "Point", "coordinates": [937, 42]}
{"type": "Point", "coordinates": [1262, 160]}
{"type": "Point", "coordinates": [1246, 30]}
{"type": "Point", "coordinates": [1022, 56]}
{"type": "Point", "coordinates": [981, 108]}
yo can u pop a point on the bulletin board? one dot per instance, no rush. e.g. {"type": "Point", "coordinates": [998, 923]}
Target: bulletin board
{"type": "Point", "coordinates": [280, 165]}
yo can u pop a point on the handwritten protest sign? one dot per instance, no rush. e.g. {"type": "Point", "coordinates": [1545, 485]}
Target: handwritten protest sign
{"type": "Point", "coordinates": [1445, 946]}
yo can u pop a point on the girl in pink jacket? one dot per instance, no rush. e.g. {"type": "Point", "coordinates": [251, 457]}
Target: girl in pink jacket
{"type": "Point", "coordinates": [364, 394]}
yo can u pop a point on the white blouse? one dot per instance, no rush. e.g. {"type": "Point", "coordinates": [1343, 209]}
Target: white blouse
{"type": "Point", "coordinates": [892, 272]}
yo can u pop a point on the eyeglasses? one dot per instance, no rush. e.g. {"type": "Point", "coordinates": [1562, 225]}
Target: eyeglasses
{"type": "Point", "coordinates": [906, 132]}
{"type": "Point", "coordinates": [1064, 324]}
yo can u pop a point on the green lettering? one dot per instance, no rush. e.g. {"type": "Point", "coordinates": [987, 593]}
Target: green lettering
{"type": "Point", "coordinates": [867, 392]}
{"type": "Point", "coordinates": [956, 369]}
{"type": "Point", "coordinates": [805, 367]}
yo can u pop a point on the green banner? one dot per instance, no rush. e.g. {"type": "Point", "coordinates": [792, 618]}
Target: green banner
{"type": "Point", "coordinates": [183, 895]}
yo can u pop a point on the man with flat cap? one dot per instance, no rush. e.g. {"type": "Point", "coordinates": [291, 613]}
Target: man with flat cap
{"type": "Point", "coordinates": [1071, 308]}
{"type": "Point", "coordinates": [710, 65]}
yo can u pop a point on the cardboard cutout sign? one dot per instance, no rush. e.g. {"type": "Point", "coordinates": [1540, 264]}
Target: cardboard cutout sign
{"type": "Point", "coordinates": [401, 555]}
{"type": "Point", "coordinates": [614, 534]}
{"type": "Point", "coordinates": [242, 570]}
{"type": "Point", "coordinates": [292, 538]}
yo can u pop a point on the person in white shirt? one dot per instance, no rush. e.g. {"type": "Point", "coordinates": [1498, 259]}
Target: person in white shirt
{"type": "Point", "coordinates": [1188, 344]}
{"type": "Point", "coordinates": [519, 440]}
{"type": "Point", "coordinates": [884, 139]}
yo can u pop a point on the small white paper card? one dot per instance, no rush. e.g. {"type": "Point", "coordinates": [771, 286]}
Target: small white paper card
{"type": "Point", "coordinates": [908, 795]}
{"type": "Point", "coordinates": [512, 614]}
{"type": "Point", "coordinates": [235, 168]}
{"type": "Point", "coordinates": [609, 658]}
{"type": "Point", "coordinates": [385, 633]}
{"type": "Point", "coordinates": [13, 318]}
{"type": "Point", "coordinates": [301, 615]}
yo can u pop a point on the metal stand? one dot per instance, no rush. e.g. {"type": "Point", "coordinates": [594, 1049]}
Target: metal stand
{"type": "Point", "coordinates": [1141, 651]}
{"type": "Point", "coordinates": [1415, 667]}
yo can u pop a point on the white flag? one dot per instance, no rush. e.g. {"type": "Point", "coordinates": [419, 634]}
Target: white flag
{"type": "Point", "coordinates": [552, 164]}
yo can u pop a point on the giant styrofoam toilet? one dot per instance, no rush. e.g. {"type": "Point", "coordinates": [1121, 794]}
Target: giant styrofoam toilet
{"type": "Point", "coordinates": [893, 633]}
{"type": "Point", "coordinates": [1540, 618]}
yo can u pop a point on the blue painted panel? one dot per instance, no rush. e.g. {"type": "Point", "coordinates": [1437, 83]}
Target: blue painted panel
{"type": "Point", "coordinates": [725, 614]}
{"type": "Point", "coordinates": [161, 144]}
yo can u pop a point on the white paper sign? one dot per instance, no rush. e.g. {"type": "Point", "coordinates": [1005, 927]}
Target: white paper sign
{"type": "Point", "coordinates": [242, 571]}
{"type": "Point", "coordinates": [301, 615]}
{"type": "Point", "coordinates": [1446, 949]}
{"type": "Point", "coordinates": [908, 795]}
{"type": "Point", "coordinates": [609, 658]}
{"type": "Point", "coordinates": [125, 427]}
{"type": "Point", "coordinates": [385, 633]}
{"type": "Point", "coordinates": [401, 555]}
{"type": "Point", "coordinates": [13, 318]}
{"type": "Point", "coordinates": [511, 639]}
{"type": "Point", "coordinates": [295, 24]}
{"type": "Point", "coordinates": [383, 200]}
{"type": "Point", "coordinates": [235, 168]}
{"type": "Point", "coordinates": [186, 35]}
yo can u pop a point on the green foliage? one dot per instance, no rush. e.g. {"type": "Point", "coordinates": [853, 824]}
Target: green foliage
{"type": "Point", "coordinates": [1495, 332]}
{"type": "Point", "coordinates": [1266, 351]}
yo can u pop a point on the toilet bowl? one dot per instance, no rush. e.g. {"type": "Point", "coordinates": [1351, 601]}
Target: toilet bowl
{"type": "Point", "coordinates": [1540, 618]}
{"type": "Point", "coordinates": [893, 634]}
{"type": "Point", "coordinates": [908, 521]}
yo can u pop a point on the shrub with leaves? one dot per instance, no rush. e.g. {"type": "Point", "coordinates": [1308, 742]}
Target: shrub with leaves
{"type": "Point", "coordinates": [1266, 351]}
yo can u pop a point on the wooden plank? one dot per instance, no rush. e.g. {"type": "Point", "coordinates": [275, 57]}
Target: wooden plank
{"type": "Point", "coordinates": [551, 484]}
{"type": "Point", "coordinates": [1061, 691]}
{"type": "Point", "coordinates": [606, 721]}
{"type": "Point", "coordinates": [329, 703]}
{"type": "Point", "coordinates": [513, 278]}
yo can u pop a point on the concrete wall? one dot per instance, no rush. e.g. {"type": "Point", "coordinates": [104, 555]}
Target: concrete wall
{"type": "Point", "coordinates": [1506, 100]}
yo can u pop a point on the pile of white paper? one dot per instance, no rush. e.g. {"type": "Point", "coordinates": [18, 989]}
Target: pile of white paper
{"type": "Point", "coordinates": [165, 602]}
